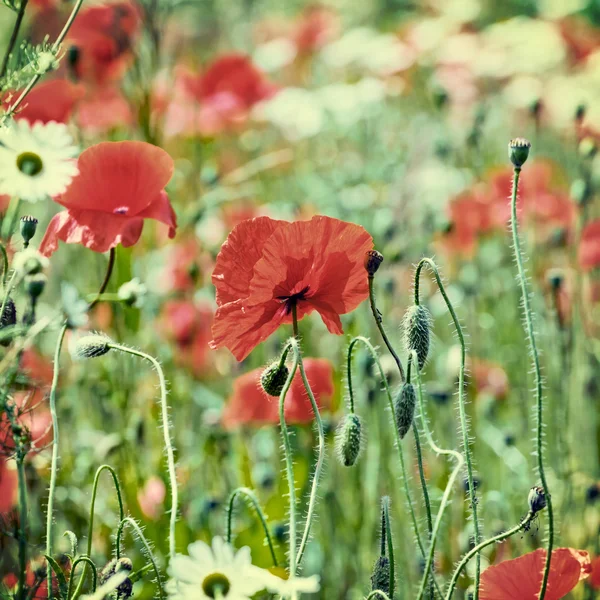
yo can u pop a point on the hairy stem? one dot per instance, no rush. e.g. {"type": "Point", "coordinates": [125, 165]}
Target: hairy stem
{"type": "Point", "coordinates": [387, 531]}
{"type": "Point", "coordinates": [86, 560]}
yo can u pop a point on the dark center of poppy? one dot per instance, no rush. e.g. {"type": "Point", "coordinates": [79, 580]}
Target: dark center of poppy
{"type": "Point", "coordinates": [29, 163]}
{"type": "Point", "coordinates": [121, 210]}
{"type": "Point", "coordinates": [216, 582]}
{"type": "Point", "coordinates": [293, 299]}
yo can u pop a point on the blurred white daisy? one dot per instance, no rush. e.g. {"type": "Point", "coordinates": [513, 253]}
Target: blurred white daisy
{"type": "Point", "coordinates": [294, 586]}
{"type": "Point", "coordinates": [275, 54]}
{"type": "Point", "coordinates": [36, 161]}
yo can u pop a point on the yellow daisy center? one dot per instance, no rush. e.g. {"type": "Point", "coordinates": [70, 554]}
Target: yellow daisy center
{"type": "Point", "coordinates": [29, 163]}
{"type": "Point", "coordinates": [216, 582]}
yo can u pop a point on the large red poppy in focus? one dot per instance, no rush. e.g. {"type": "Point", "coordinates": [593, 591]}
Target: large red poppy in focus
{"type": "Point", "coordinates": [250, 405]}
{"type": "Point", "coordinates": [266, 266]}
{"type": "Point", "coordinates": [119, 185]}
{"type": "Point", "coordinates": [521, 578]}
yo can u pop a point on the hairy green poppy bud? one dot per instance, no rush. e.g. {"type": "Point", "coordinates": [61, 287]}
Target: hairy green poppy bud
{"type": "Point", "coordinates": [536, 499]}
{"type": "Point", "coordinates": [35, 284]}
{"type": "Point", "coordinates": [273, 378]}
{"type": "Point", "coordinates": [348, 439]}
{"type": "Point", "coordinates": [404, 406]}
{"type": "Point", "coordinates": [417, 326]}
{"type": "Point", "coordinates": [115, 566]}
{"type": "Point", "coordinates": [372, 261]}
{"type": "Point", "coordinates": [380, 578]}
{"type": "Point", "coordinates": [92, 345]}
{"type": "Point", "coordinates": [27, 227]}
{"type": "Point", "coordinates": [518, 151]}
{"type": "Point", "coordinates": [8, 319]}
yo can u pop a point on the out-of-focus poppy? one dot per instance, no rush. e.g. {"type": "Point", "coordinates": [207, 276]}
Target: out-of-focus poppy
{"type": "Point", "coordinates": [250, 405]}
{"type": "Point", "coordinates": [267, 267]}
{"type": "Point", "coordinates": [151, 497]}
{"type": "Point", "coordinates": [316, 26]}
{"type": "Point", "coordinates": [589, 246]}
{"type": "Point", "coordinates": [185, 266]}
{"type": "Point", "coordinates": [489, 378]}
{"type": "Point", "coordinates": [8, 485]}
{"type": "Point", "coordinates": [594, 580]}
{"type": "Point", "coordinates": [119, 185]}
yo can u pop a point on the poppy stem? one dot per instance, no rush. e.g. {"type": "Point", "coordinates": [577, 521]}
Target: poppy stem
{"type": "Point", "coordinates": [321, 447]}
{"type": "Point", "coordinates": [251, 497]}
{"type": "Point", "coordinates": [4, 264]}
{"type": "Point", "coordinates": [538, 376]}
{"type": "Point", "coordinates": [54, 464]}
{"type": "Point", "coordinates": [464, 426]}
{"type": "Point", "coordinates": [386, 532]}
{"type": "Point", "coordinates": [13, 37]}
{"type": "Point", "coordinates": [378, 594]}
{"type": "Point", "coordinates": [86, 560]}
{"type": "Point", "coordinates": [104, 285]}
{"type": "Point", "coordinates": [166, 436]}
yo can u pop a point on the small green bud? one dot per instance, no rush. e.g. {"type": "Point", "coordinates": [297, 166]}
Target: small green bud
{"type": "Point", "coordinates": [28, 227]}
{"type": "Point", "coordinates": [372, 261]}
{"type": "Point", "coordinates": [348, 439]}
{"type": "Point", "coordinates": [273, 378]}
{"type": "Point", "coordinates": [380, 578]}
{"type": "Point", "coordinates": [404, 406]}
{"type": "Point", "coordinates": [35, 284]}
{"type": "Point", "coordinates": [92, 345]}
{"type": "Point", "coordinates": [29, 262]}
{"type": "Point", "coordinates": [536, 499]}
{"type": "Point", "coordinates": [8, 319]}
{"type": "Point", "coordinates": [518, 151]}
{"type": "Point", "coordinates": [417, 326]}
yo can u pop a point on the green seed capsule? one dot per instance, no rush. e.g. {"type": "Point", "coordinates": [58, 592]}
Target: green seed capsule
{"type": "Point", "coordinates": [518, 151]}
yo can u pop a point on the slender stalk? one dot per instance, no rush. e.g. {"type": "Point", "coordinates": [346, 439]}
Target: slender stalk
{"type": "Point", "coordinates": [54, 464]}
{"type": "Point", "coordinates": [4, 264]}
{"type": "Point", "coordinates": [22, 590]}
{"type": "Point", "coordinates": [387, 531]}
{"type": "Point", "coordinates": [166, 436]}
{"type": "Point", "coordinates": [6, 296]}
{"type": "Point", "coordinates": [378, 594]}
{"type": "Point", "coordinates": [321, 447]}
{"type": "Point", "coordinates": [86, 560]}
{"type": "Point", "coordinates": [477, 549]}
{"type": "Point", "coordinates": [249, 494]}
{"type": "Point", "coordinates": [461, 407]}
{"type": "Point", "coordinates": [13, 37]}
{"type": "Point", "coordinates": [538, 377]}
{"type": "Point", "coordinates": [104, 285]}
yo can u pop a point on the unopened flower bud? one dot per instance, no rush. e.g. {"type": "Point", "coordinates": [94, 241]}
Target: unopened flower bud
{"type": "Point", "coordinates": [29, 262]}
{"type": "Point", "coordinates": [380, 578]}
{"type": "Point", "coordinates": [417, 326]}
{"type": "Point", "coordinates": [35, 284]}
{"type": "Point", "coordinates": [404, 407]}
{"type": "Point", "coordinates": [115, 566]}
{"type": "Point", "coordinates": [518, 151]}
{"type": "Point", "coordinates": [28, 227]}
{"type": "Point", "coordinates": [92, 345]}
{"type": "Point", "coordinates": [536, 499]}
{"type": "Point", "coordinates": [348, 440]}
{"type": "Point", "coordinates": [580, 113]}
{"type": "Point", "coordinates": [555, 278]}
{"type": "Point", "coordinates": [372, 261]}
{"type": "Point", "coordinates": [273, 378]}
{"type": "Point", "coordinates": [8, 318]}
{"type": "Point", "coordinates": [133, 292]}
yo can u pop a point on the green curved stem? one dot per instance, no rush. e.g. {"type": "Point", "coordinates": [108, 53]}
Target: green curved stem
{"type": "Point", "coordinates": [54, 465]}
{"type": "Point", "coordinates": [166, 435]}
{"type": "Point", "coordinates": [464, 426]}
{"type": "Point", "coordinates": [378, 594]}
{"type": "Point", "coordinates": [538, 378]}
{"type": "Point", "coordinates": [477, 550]}
{"type": "Point", "coordinates": [104, 285]}
{"type": "Point", "coordinates": [86, 560]}
{"type": "Point", "coordinates": [249, 494]}
{"type": "Point", "coordinates": [13, 37]}
{"type": "Point", "coordinates": [142, 537]}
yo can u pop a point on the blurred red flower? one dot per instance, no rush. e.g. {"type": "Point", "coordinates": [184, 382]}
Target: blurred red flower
{"type": "Point", "coordinates": [186, 265]}
{"type": "Point", "coordinates": [521, 578]}
{"type": "Point", "coordinates": [267, 266]}
{"type": "Point", "coordinates": [35, 579]}
{"type": "Point", "coordinates": [103, 109]}
{"type": "Point", "coordinates": [119, 185]}
{"type": "Point", "coordinates": [594, 580]}
{"type": "Point", "coordinates": [250, 405]}
{"type": "Point", "coordinates": [37, 367]}
{"type": "Point", "coordinates": [589, 246]}
{"type": "Point", "coordinates": [316, 26]}
{"type": "Point", "coordinates": [151, 497]}
{"type": "Point", "coordinates": [489, 378]}
{"type": "Point", "coordinates": [8, 485]}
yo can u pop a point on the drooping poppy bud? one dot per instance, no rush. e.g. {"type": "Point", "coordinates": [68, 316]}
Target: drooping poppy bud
{"type": "Point", "coordinates": [536, 499]}
{"type": "Point", "coordinates": [417, 326]}
{"type": "Point", "coordinates": [92, 345]}
{"type": "Point", "coordinates": [348, 440]}
{"type": "Point", "coordinates": [380, 578]}
{"type": "Point", "coordinates": [273, 378]}
{"type": "Point", "coordinates": [404, 407]}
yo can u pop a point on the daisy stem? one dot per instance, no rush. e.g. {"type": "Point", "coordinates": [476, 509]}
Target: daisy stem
{"type": "Point", "coordinates": [477, 549]}
{"type": "Point", "coordinates": [54, 464]}
{"type": "Point", "coordinates": [464, 426]}
{"type": "Point", "coordinates": [13, 37]}
{"type": "Point", "coordinates": [538, 376]}
{"type": "Point", "coordinates": [104, 285]}
{"type": "Point", "coordinates": [249, 494]}
{"type": "Point", "coordinates": [321, 448]}
{"type": "Point", "coordinates": [166, 436]}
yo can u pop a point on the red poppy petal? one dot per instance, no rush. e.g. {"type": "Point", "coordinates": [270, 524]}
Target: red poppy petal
{"type": "Point", "coordinates": [161, 210]}
{"type": "Point", "coordinates": [240, 252]}
{"type": "Point", "coordinates": [240, 328]}
{"type": "Point", "coordinates": [98, 232]}
{"type": "Point", "coordinates": [121, 178]}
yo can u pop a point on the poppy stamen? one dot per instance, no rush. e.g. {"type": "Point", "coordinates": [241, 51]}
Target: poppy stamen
{"type": "Point", "coordinates": [293, 299]}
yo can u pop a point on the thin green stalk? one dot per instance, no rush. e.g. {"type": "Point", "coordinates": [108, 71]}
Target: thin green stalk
{"type": "Point", "coordinates": [54, 464]}
{"type": "Point", "coordinates": [387, 526]}
{"type": "Point", "coordinates": [538, 377]}
{"type": "Point", "coordinates": [13, 37]}
{"type": "Point", "coordinates": [321, 446]}
{"type": "Point", "coordinates": [6, 296]}
{"type": "Point", "coordinates": [249, 494]}
{"type": "Point", "coordinates": [378, 594]}
{"type": "Point", "coordinates": [22, 482]}
{"type": "Point", "coordinates": [477, 550]}
{"type": "Point", "coordinates": [166, 436]}
{"type": "Point", "coordinates": [86, 560]}
{"type": "Point", "coordinates": [104, 285]}
{"type": "Point", "coordinates": [461, 407]}
{"type": "Point", "coordinates": [4, 265]}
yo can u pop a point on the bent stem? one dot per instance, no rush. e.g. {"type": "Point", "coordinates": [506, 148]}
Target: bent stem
{"type": "Point", "coordinates": [104, 285]}
{"type": "Point", "coordinates": [321, 447]}
{"type": "Point", "coordinates": [166, 436]}
{"type": "Point", "coordinates": [86, 560]}
{"type": "Point", "coordinates": [461, 406]}
{"type": "Point", "coordinates": [54, 464]}
{"type": "Point", "coordinates": [477, 550]}
{"type": "Point", "coordinates": [251, 497]}
{"type": "Point", "coordinates": [538, 377]}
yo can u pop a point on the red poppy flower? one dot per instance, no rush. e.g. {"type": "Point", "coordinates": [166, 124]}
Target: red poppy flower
{"type": "Point", "coordinates": [489, 378]}
{"type": "Point", "coordinates": [186, 265]}
{"type": "Point", "coordinates": [589, 246]}
{"type": "Point", "coordinates": [521, 578]}
{"type": "Point", "coordinates": [317, 26]}
{"type": "Point", "coordinates": [594, 580]}
{"type": "Point", "coordinates": [266, 266]}
{"type": "Point", "coordinates": [36, 367]}
{"type": "Point", "coordinates": [119, 185]}
{"type": "Point", "coordinates": [250, 405]}
{"type": "Point", "coordinates": [103, 109]}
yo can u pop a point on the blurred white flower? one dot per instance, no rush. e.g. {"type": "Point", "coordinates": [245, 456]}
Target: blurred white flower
{"type": "Point", "coordinates": [36, 161]}
{"type": "Point", "coordinates": [275, 54]}
{"type": "Point", "coordinates": [348, 48]}
{"type": "Point", "coordinates": [133, 292]}
{"type": "Point", "coordinates": [557, 9]}
{"type": "Point", "coordinates": [29, 262]}
{"type": "Point", "coordinates": [459, 11]}
{"type": "Point", "coordinates": [294, 586]}
{"type": "Point", "coordinates": [522, 91]}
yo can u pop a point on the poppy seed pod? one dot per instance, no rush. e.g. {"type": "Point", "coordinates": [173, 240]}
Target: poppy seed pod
{"type": "Point", "coordinates": [35, 284]}
{"type": "Point", "coordinates": [404, 406]}
{"type": "Point", "coordinates": [536, 499]}
{"type": "Point", "coordinates": [27, 227]}
{"type": "Point", "coordinates": [92, 346]}
{"type": "Point", "coordinates": [417, 326]}
{"type": "Point", "coordinates": [273, 378]}
{"type": "Point", "coordinates": [518, 151]}
{"type": "Point", "coordinates": [373, 260]}
{"type": "Point", "coordinates": [348, 440]}
{"type": "Point", "coordinates": [380, 578]}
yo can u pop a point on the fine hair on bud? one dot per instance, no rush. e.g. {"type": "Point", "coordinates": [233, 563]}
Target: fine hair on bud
{"type": "Point", "coordinates": [380, 579]}
{"type": "Point", "coordinates": [404, 406]}
{"type": "Point", "coordinates": [536, 499]}
{"type": "Point", "coordinates": [273, 378]}
{"type": "Point", "coordinates": [348, 438]}
{"type": "Point", "coordinates": [115, 566]}
{"type": "Point", "coordinates": [92, 345]}
{"type": "Point", "coordinates": [417, 332]}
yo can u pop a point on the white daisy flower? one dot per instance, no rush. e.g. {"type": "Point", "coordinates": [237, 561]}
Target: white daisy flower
{"type": "Point", "coordinates": [220, 571]}
{"type": "Point", "coordinates": [36, 161]}
{"type": "Point", "coordinates": [294, 586]}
